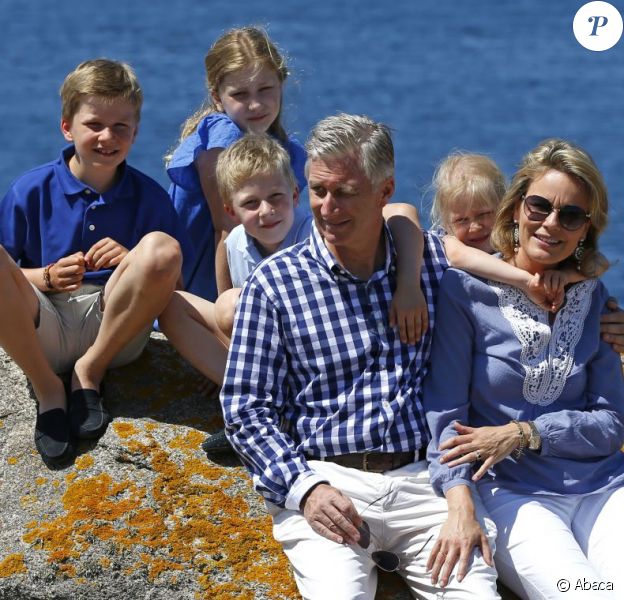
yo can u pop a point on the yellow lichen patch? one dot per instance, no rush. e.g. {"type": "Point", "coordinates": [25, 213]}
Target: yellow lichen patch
{"type": "Point", "coordinates": [185, 520]}
{"type": "Point", "coordinates": [41, 480]}
{"type": "Point", "coordinates": [105, 562]}
{"type": "Point", "coordinates": [190, 441]}
{"type": "Point", "coordinates": [149, 426]}
{"type": "Point", "coordinates": [13, 564]}
{"type": "Point", "coordinates": [12, 460]}
{"type": "Point", "coordinates": [28, 500]}
{"type": "Point", "coordinates": [1, 423]}
{"type": "Point", "coordinates": [67, 570]}
{"type": "Point", "coordinates": [56, 483]}
{"type": "Point", "coordinates": [84, 462]}
{"type": "Point", "coordinates": [124, 429]}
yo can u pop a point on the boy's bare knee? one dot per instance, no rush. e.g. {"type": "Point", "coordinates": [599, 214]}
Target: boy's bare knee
{"type": "Point", "coordinates": [160, 254]}
{"type": "Point", "coordinates": [225, 309]}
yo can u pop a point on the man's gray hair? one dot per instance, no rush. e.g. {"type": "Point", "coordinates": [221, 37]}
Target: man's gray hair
{"type": "Point", "coordinates": [343, 136]}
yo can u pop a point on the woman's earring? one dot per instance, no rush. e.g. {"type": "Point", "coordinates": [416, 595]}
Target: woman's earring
{"type": "Point", "coordinates": [578, 254]}
{"type": "Point", "coordinates": [516, 237]}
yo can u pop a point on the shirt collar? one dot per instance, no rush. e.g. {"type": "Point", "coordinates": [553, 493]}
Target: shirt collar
{"type": "Point", "coordinates": [73, 186]}
{"type": "Point", "coordinates": [325, 257]}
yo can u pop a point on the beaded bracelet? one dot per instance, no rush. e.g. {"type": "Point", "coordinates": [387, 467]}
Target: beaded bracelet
{"type": "Point", "coordinates": [519, 451]}
{"type": "Point", "coordinates": [46, 276]}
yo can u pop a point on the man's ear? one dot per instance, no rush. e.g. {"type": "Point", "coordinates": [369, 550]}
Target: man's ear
{"type": "Point", "coordinates": [296, 196]}
{"type": "Point", "coordinates": [230, 212]}
{"type": "Point", "coordinates": [387, 190]}
{"type": "Point", "coordinates": [66, 130]}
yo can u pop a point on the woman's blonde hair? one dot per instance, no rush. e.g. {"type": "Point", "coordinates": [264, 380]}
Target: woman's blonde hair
{"type": "Point", "coordinates": [473, 178]}
{"type": "Point", "coordinates": [565, 157]}
{"type": "Point", "coordinates": [235, 50]}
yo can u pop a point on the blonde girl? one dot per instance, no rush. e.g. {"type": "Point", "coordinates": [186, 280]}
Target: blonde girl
{"type": "Point", "coordinates": [468, 190]}
{"type": "Point", "coordinates": [245, 73]}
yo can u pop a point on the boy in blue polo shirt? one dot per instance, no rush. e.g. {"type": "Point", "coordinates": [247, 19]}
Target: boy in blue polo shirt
{"type": "Point", "coordinates": [89, 257]}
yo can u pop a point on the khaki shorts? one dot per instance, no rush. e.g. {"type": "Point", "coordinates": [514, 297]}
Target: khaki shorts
{"type": "Point", "coordinates": [69, 323]}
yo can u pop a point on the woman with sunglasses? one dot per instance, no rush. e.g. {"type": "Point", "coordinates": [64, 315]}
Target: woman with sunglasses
{"type": "Point", "coordinates": [527, 406]}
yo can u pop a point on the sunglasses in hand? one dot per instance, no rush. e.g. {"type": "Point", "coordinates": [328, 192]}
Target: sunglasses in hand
{"type": "Point", "coordinates": [386, 560]}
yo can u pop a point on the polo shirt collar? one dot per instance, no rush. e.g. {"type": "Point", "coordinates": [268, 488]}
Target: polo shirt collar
{"type": "Point", "coordinates": [325, 257]}
{"type": "Point", "coordinates": [72, 186]}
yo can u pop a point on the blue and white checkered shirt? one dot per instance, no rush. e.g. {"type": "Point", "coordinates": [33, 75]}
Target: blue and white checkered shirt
{"type": "Point", "coordinates": [315, 368]}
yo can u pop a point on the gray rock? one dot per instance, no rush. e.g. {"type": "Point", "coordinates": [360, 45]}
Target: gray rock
{"type": "Point", "coordinates": [141, 513]}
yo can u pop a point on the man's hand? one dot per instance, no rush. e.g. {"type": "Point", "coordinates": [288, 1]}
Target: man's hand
{"type": "Point", "coordinates": [66, 273]}
{"type": "Point", "coordinates": [408, 312]}
{"type": "Point", "coordinates": [331, 514]}
{"type": "Point", "coordinates": [105, 254]}
{"type": "Point", "coordinates": [459, 535]}
{"type": "Point", "coordinates": [612, 326]}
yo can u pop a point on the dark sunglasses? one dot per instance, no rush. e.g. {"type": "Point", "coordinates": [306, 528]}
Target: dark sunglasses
{"type": "Point", "coordinates": [384, 559]}
{"type": "Point", "coordinates": [570, 217]}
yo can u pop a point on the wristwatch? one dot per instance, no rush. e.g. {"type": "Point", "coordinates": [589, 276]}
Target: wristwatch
{"type": "Point", "coordinates": [535, 439]}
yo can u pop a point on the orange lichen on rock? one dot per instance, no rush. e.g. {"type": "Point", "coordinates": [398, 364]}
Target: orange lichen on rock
{"type": "Point", "coordinates": [12, 460]}
{"type": "Point", "coordinates": [84, 462]}
{"type": "Point", "coordinates": [124, 429]}
{"type": "Point", "coordinates": [41, 480]}
{"type": "Point", "coordinates": [186, 520]}
{"type": "Point", "coordinates": [13, 564]}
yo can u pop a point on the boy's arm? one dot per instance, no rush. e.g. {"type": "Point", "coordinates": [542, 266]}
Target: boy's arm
{"type": "Point", "coordinates": [65, 275]}
{"type": "Point", "coordinates": [408, 311]}
{"type": "Point", "coordinates": [206, 163]}
{"type": "Point", "coordinates": [224, 279]}
{"type": "Point", "coordinates": [612, 326]}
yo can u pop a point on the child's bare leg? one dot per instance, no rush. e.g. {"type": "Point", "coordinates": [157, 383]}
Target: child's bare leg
{"type": "Point", "coordinates": [225, 309]}
{"type": "Point", "coordinates": [19, 308]}
{"type": "Point", "coordinates": [135, 295]}
{"type": "Point", "coordinates": [189, 323]}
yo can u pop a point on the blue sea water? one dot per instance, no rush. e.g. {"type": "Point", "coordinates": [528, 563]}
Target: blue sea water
{"type": "Point", "coordinates": [493, 76]}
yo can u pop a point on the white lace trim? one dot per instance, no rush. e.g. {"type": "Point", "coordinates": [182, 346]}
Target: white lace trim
{"type": "Point", "coordinates": [547, 353]}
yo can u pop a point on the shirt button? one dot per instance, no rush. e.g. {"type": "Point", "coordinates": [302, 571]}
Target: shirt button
{"type": "Point", "coordinates": [386, 404]}
{"type": "Point", "coordinates": [93, 207]}
{"type": "Point", "coordinates": [88, 192]}
{"type": "Point", "coordinates": [91, 227]}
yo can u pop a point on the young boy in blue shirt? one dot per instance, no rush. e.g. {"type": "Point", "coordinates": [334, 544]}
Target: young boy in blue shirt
{"type": "Point", "coordinates": [88, 258]}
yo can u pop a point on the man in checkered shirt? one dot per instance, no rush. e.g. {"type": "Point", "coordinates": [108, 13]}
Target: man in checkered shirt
{"type": "Point", "coordinates": [323, 401]}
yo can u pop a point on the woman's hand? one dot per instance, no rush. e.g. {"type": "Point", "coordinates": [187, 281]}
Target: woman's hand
{"type": "Point", "coordinates": [459, 536]}
{"type": "Point", "coordinates": [487, 444]}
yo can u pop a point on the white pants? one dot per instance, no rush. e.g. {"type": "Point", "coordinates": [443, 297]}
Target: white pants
{"type": "Point", "coordinates": [565, 547]}
{"type": "Point", "coordinates": [407, 514]}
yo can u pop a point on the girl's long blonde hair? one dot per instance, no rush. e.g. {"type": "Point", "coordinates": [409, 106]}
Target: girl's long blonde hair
{"type": "Point", "coordinates": [234, 50]}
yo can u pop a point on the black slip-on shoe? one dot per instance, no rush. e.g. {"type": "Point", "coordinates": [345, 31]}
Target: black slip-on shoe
{"type": "Point", "coordinates": [52, 437]}
{"type": "Point", "coordinates": [88, 418]}
{"type": "Point", "coordinates": [216, 444]}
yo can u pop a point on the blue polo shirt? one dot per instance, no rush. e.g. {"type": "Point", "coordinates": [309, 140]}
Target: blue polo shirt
{"type": "Point", "coordinates": [48, 214]}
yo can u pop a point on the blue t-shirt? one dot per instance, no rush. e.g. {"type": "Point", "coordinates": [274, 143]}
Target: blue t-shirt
{"type": "Point", "coordinates": [48, 214]}
{"type": "Point", "coordinates": [216, 130]}
{"type": "Point", "coordinates": [243, 254]}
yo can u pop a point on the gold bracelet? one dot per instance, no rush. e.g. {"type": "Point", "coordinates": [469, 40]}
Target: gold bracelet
{"type": "Point", "coordinates": [46, 276]}
{"type": "Point", "coordinates": [519, 451]}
